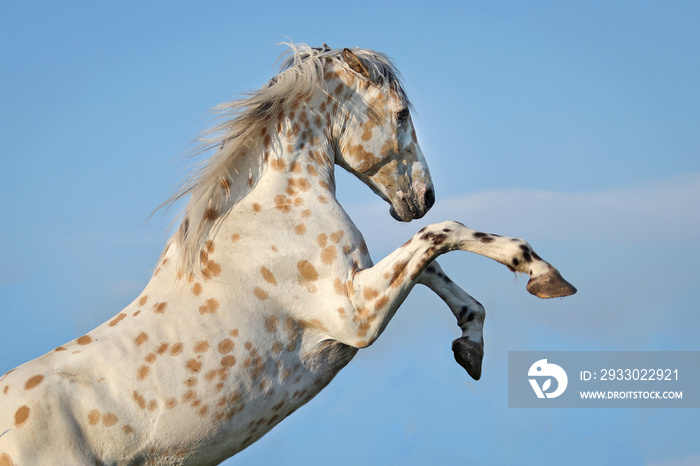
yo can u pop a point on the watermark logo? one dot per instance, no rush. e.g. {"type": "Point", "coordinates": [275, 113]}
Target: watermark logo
{"type": "Point", "coordinates": [604, 379]}
{"type": "Point", "coordinates": [547, 371]}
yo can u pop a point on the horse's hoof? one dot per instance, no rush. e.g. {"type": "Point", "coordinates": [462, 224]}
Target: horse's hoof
{"type": "Point", "coordinates": [469, 355]}
{"type": "Point", "coordinates": [550, 285]}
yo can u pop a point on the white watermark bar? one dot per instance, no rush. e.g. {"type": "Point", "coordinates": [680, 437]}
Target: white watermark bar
{"type": "Point", "coordinates": [604, 379]}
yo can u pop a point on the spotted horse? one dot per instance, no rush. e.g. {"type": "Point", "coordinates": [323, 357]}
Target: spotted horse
{"type": "Point", "coordinates": [266, 290]}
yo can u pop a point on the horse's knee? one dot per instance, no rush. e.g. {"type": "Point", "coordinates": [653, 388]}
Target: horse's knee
{"type": "Point", "coordinates": [471, 314]}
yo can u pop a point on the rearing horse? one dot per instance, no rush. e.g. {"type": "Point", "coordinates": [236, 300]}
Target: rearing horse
{"type": "Point", "coordinates": [266, 290]}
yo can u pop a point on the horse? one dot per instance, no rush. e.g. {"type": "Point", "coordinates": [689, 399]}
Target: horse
{"type": "Point", "coordinates": [266, 288]}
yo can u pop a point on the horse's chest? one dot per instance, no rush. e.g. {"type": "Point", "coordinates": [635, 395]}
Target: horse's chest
{"type": "Point", "coordinates": [270, 388]}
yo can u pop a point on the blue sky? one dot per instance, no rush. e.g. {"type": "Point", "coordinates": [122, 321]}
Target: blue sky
{"type": "Point", "coordinates": [572, 125]}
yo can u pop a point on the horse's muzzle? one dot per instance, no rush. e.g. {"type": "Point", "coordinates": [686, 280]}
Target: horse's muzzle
{"type": "Point", "coordinates": [409, 207]}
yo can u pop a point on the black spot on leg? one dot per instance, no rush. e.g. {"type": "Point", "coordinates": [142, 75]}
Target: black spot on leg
{"type": "Point", "coordinates": [535, 256]}
{"type": "Point", "coordinates": [483, 237]}
{"type": "Point", "coordinates": [510, 268]}
{"type": "Point", "coordinates": [435, 238]}
{"type": "Point", "coordinates": [431, 270]}
{"type": "Point", "coordinates": [516, 262]}
{"type": "Point", "coordinates": [526, 253]}
{"type": "Point", "coordinates": [462, 312]}
{"type": "Point", "coordinates": [446, 230]}
{"type": "Point", "coordinates": [470, 317]}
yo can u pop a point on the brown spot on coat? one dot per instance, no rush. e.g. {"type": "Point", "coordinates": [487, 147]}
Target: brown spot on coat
{"type": "Point", "coordinates": [307, 270]}
{"type": "Point", "coordinates": [176, 349]}
{"type": "Point", "coordinates": [283, 203]}
{"type": "Point", "coordinates": [295, 167]}
{"type": "Point", "coordinates": [399, 274]}
{"type": "Point", "coordinates": [139, 399]}
{"type": "Point", "coordinates": [141, 338]}
{"type": "Point", "coordinates": [201, 346]}
{"type": "Point", "coordinates": [193, 365]}
{"type": "Point", "coordinates": [189, 396]}
{"type": "Point", "coordinates": [370, 293]}
{"type": "Point", "coordinates": [143, 372]}
{"type": "Point", "coordinates": [381, 302]}
{"type": "Point", "coordinates": [225, 346]}
{"type": "Point", "coordinates": [33, 382]}
{"type": "Point", "coordinates": [21, 415]}
{"type": "Point", "coordinates": [260, 293]}
{"type": "Point", "coordinates": [300, 183]}
{"type": "Point", "coordinates": [328, 255]}
{"type": "Point", "coordinates": [338, 286]}
{"type": "Point", "coordinates": [212, 269]}
{"type": "Point", "coordinates": [109, 419]}
{"type": "Point", "coordinates": [143, 300]}
{"type": "Point", "coordinates": [94, 417]}
{"type": "Point", "coordinates": [84, 340]}
{"type": "Point", "coordinates": [210, 306]}
{"type": "Point", "coordinates": [268, 276]}
{"type": "Point", "coordinates": [159, 308]}
{"type": "Point", "coordinates": [337, 236]}
{"type": "Point", "coordinates": [278, 164]}
{"type": "Point", "coordinates": [117, 319]}
{"type": "Point", "coordinates": [228, 361]}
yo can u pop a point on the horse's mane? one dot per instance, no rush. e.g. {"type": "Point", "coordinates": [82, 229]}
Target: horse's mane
{"type": "Point", "coordinates": [220, 182]}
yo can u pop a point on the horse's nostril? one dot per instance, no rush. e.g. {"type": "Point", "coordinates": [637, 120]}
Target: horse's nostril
{"type": "Point", "coordinates": [429, 198]}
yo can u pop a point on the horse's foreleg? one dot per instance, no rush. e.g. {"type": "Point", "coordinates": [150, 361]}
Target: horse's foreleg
{"type": "Point", "coordinates": [378, 291]}
{"type": "Point", "coordinates": [469, 349]}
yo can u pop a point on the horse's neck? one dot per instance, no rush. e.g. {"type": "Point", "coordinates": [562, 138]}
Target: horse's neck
{"type": "Point", "coordinates": [286, 197]}
{"type": "Point", "coordinates": [297, 180]}
{"type": "Point", "coordinates": [290, 203]}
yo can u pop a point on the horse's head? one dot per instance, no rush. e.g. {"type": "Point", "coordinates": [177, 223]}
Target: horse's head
{"type": "Point", "coordinates": [375, 137]}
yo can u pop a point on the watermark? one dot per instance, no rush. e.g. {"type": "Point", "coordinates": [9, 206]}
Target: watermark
{"type": "Point", "coordinates": [543, 369]}
{"type": "Point", "coordinates": [604, 379]}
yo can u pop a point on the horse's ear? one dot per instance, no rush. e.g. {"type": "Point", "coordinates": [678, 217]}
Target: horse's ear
{"type": "Point", "coordinates": [354, 63]}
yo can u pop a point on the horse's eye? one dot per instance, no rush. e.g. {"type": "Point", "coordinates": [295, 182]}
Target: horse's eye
{"type": "Point", "coordinates": [402, 115]}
